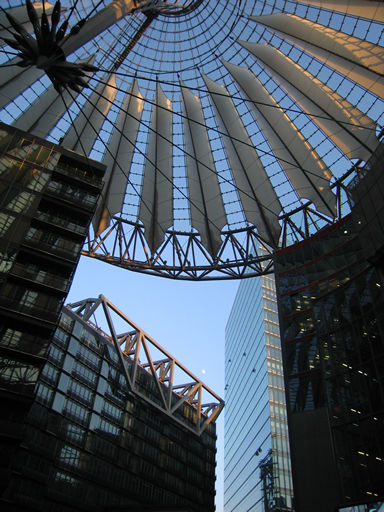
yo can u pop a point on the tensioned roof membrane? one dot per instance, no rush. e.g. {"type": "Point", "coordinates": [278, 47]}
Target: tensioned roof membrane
{"type": "Point", "coordinates": [214, 119]}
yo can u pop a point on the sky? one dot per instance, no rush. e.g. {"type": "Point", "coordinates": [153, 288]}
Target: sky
{"type": "Point", "coordinates": [186, 318]}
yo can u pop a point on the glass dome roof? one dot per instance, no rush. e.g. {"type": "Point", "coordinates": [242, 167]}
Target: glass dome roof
{"type": "Point", "coordinates": [225, 126]}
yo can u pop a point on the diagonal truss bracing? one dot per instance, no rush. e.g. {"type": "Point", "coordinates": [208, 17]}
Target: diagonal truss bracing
{"type": "Point", "coordinates": [189, 402]}
{"type": "Point", "coordinates": [223, 125]}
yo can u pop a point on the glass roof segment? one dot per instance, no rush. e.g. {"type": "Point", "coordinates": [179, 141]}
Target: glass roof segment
{"type": "Point", "coordinates": [179, 48]}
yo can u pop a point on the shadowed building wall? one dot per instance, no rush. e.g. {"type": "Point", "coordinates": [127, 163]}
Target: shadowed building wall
{"type": "Point", "coordinates": [47, 199]}
{"type": "Point", "coordinates": [331, 306]}
{"type": "Point", "coordinates": [91, 444]}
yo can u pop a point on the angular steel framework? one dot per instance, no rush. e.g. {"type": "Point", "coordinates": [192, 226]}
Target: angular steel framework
{"type": "Point", "coordinates": [173, 385]}
{"type": "Point", "coordinates": [222, 126]}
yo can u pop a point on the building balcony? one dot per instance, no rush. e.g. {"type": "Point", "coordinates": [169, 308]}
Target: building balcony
{"type": "Point", "coordinates": [40, 276]}
{"type": "Point", "coordinates": [62, 223]}
{"type": "Point", "coordinates": [52, 244]}
{"type": "Point", "coordinates": [79, 174]}
{"type": "Point", "coordinates": [30, 309]}
{"type": "Point", "coordinates": [18, 341]}
{"type": "Point", "coordinates": [73, 196]}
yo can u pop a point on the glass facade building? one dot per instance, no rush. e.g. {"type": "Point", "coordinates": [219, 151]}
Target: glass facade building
{"type": "Point", "coordinates": [91, 444]}
{"type": "Point", "coordinates": [257, 463]}
{"type": "Point", "coordinates": [47, 199]}
{"type": "Point", "coordinates": [73, 435]}
{"type": "Point", "coordinates": [331, 307]}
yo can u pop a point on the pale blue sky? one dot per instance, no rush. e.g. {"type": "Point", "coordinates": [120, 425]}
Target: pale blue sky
{"type": "Point", "coordinates": [186, 318]}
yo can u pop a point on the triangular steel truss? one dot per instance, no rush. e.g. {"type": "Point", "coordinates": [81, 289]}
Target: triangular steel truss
{"type": "Point", "coordinates": [138, 352]}
{"type": "Point", "coordinates": [181, 255]}
{"type": "Point", "coordinates": [208, 154]}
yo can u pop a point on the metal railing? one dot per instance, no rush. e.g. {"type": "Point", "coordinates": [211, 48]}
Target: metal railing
{"type": "Point", "coordinates": [55, 248]}
{"type": "Point", "coordinates": [30, 309]}
{"type": "Point", "coordinates": [79, 174]}
{"type": "Point", "coordinates": [64, 223]}
{"type": "Point", "coordinates": [65, 192]}
{"type": "Point", "coordinates": [40, 276]}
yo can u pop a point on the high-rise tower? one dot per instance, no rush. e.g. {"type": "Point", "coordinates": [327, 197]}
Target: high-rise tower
{"type": "Point", "coordinates": [331, 306]}
{"type": "Point", "coordinates": [257, 462]}
{"type": "Point", "coordinates": [48, 196]}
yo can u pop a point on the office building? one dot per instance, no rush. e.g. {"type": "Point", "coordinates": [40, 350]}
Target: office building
{"type": "Point", "coordinates": [48, 196]}
{"type": "Point", "coordinates": [112, 428]}
{"type": "Point", "coordinates": [331, 307]}
{"type": "Point", "coordinates": [257, 463]}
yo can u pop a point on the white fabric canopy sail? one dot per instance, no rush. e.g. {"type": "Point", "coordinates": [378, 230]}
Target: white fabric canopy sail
{"type": "Point", "coordinates": [118, 158]}
{"type": "Point", "coordinates": [307, 173]}
{"type": "Point", "coordinates": [349, 128]}
{"type": "Point", "coordinates": [358, 60]}
{"type": "Point", "coordinates": [214, 124]}
{"type": "Point", "coordinates": [207, 208]}
{"type": "Point", "coordinates": [156, 197]}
